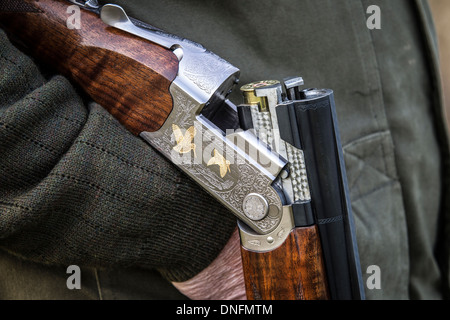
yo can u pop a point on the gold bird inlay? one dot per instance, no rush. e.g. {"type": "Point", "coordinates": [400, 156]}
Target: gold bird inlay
{"type": "Point", "coordinates": [220, 160]}
{"type": "Point", "coordinates": [184, 142]}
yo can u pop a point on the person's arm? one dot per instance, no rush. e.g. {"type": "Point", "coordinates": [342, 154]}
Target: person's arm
{"type": "Point", "coordinates": [223, 279]}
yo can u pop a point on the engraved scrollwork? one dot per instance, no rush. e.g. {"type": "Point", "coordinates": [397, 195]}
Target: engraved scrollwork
{"type": "Point", "coordinates": [211, 180]}
{"type": "Point", "coordinates": [181, 116]}
{"type": "Point", "coordinates": [254, 182]}
{"type": "Point", "coordinates": [240, 178]}
{"type": "Point", "coordinates": [206, 71]}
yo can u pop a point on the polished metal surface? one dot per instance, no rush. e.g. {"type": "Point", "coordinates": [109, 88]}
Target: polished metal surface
{"type": "Point", "coordinates": [293, 82]}
{"type": "Point", "coordinates": [267, 242]}
{"type": "Point", "coordinates": [255, 206]}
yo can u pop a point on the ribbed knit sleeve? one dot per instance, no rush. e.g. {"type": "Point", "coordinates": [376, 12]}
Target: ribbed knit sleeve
{"type": "Point", "coordinates": [77, 188]}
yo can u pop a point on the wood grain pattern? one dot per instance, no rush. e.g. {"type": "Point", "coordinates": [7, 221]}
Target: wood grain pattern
{"type": "Point", "coordinates": [128, 76]}
{"type": "Point", "coordinates": [270, 276]}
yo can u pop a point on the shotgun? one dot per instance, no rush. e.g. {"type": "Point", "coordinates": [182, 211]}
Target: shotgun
{"type": "Point", "coordinates": [275, 161]}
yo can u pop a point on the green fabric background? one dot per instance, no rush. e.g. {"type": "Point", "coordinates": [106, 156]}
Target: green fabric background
{"type": "Point", "coordinates": [77, 189]}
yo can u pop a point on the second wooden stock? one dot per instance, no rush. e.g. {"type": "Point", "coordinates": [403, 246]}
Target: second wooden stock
{"type": "Point", "coordinates": [293, 271]}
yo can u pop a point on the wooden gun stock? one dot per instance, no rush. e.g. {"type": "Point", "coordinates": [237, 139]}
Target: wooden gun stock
{"type": "Point", "coordinates": [127, 75]}
{"type": "Point", "coordinates": [271, 276]}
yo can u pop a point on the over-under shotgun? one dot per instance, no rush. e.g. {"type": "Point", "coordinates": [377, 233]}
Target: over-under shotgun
{"type": "Point", "coordinates": [275, 161]}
